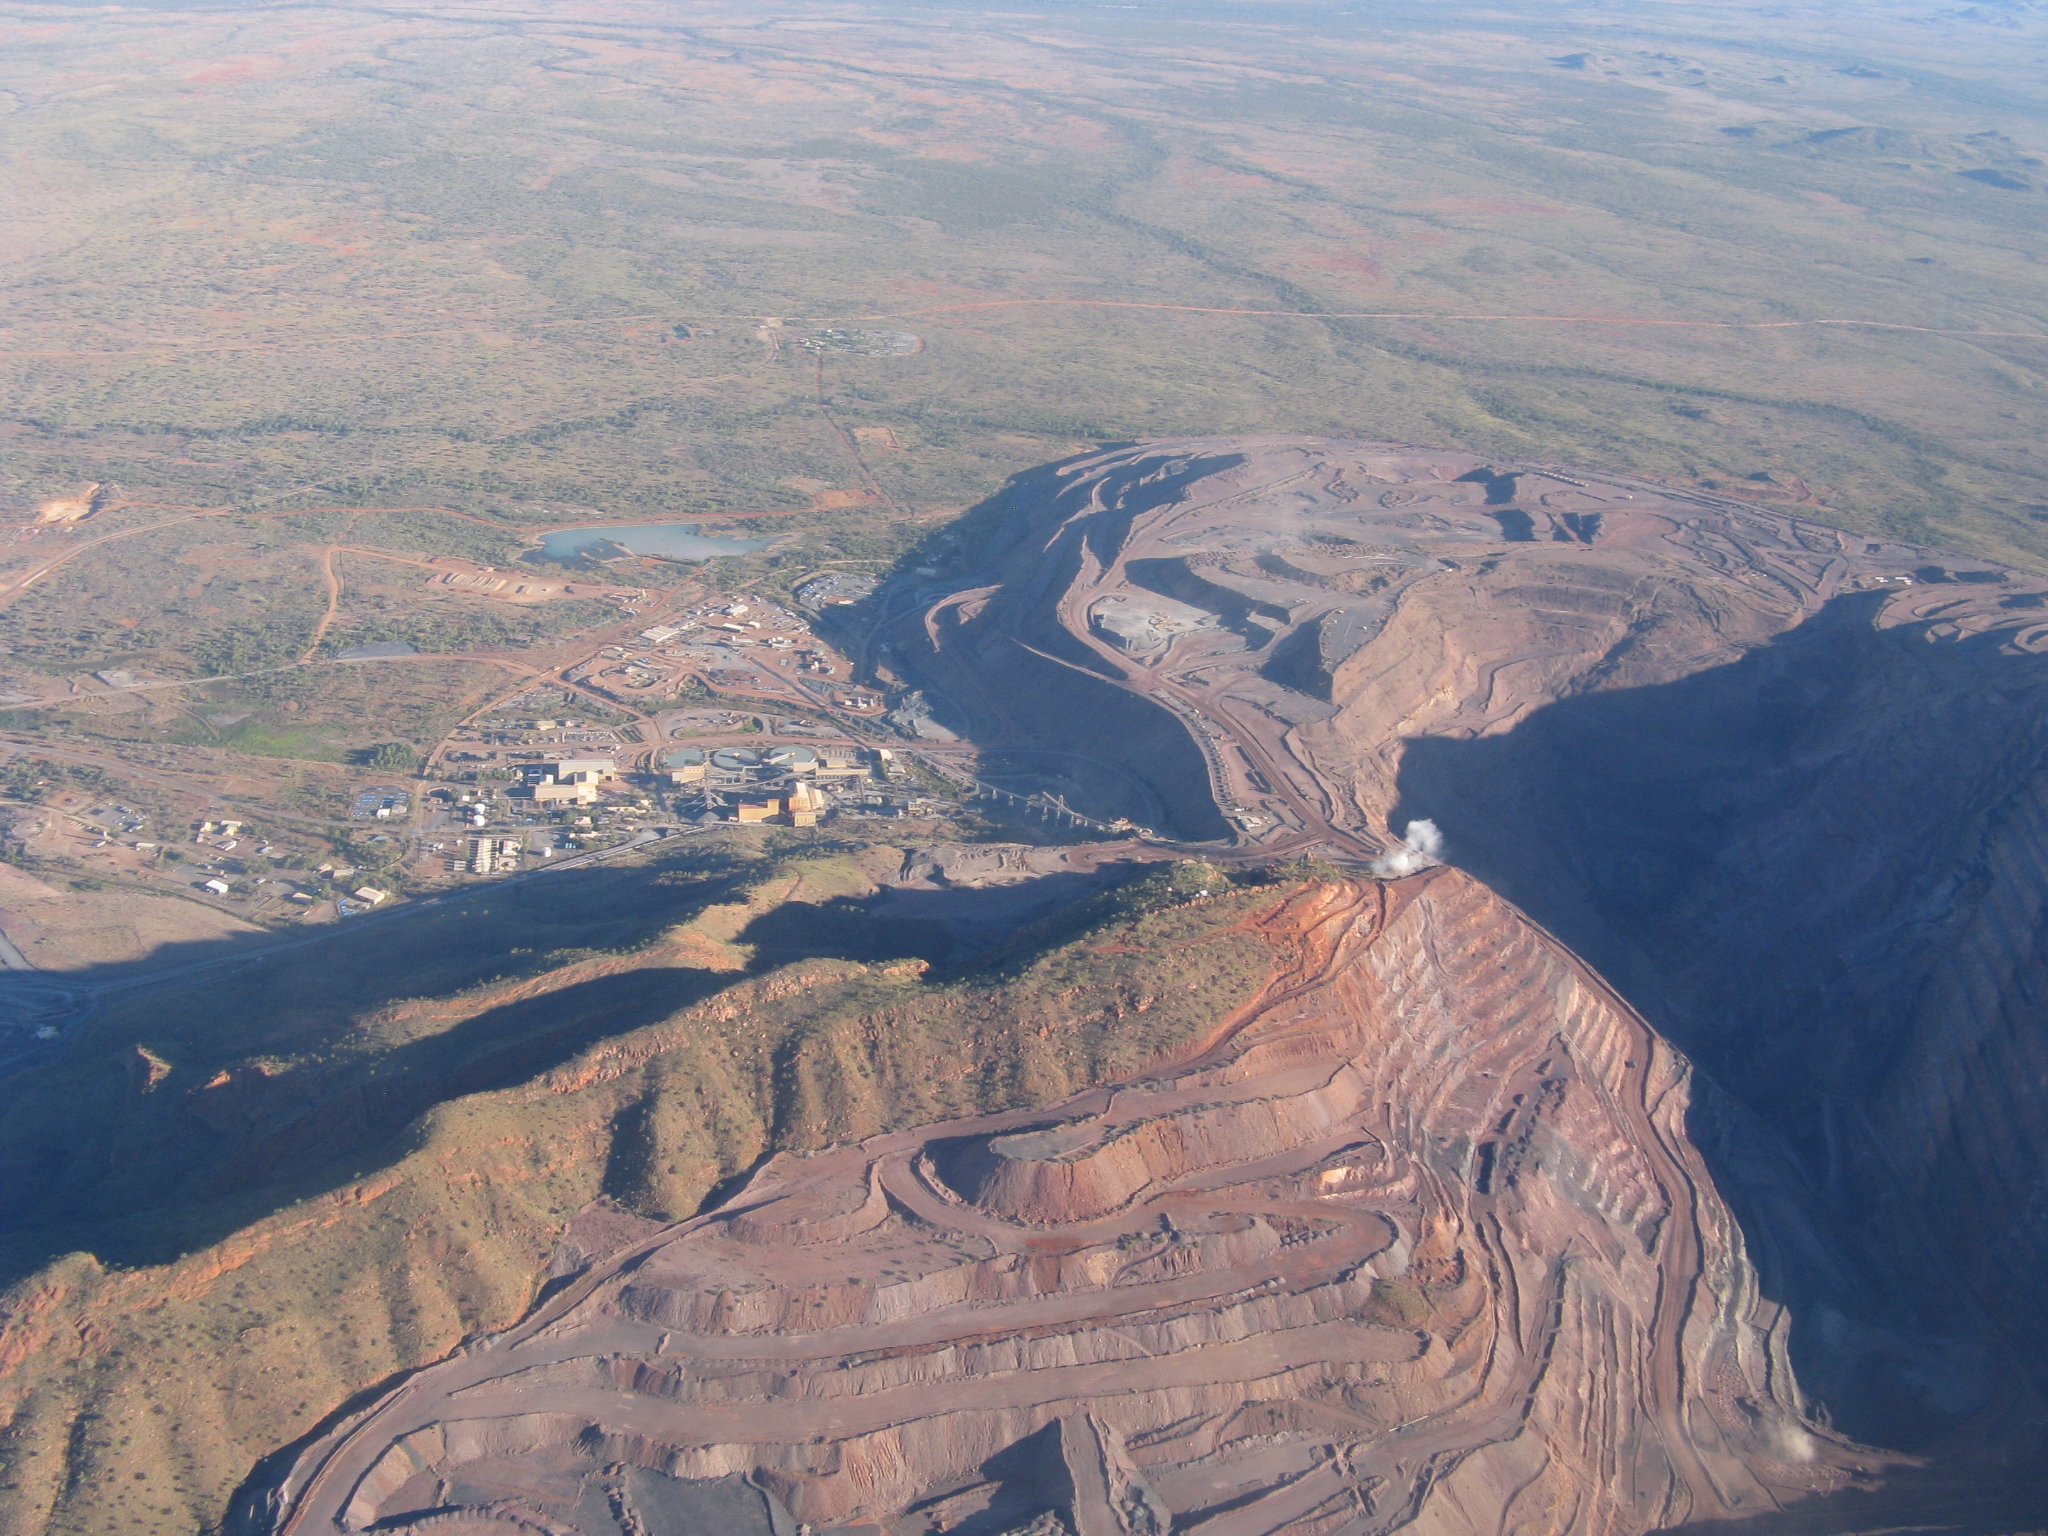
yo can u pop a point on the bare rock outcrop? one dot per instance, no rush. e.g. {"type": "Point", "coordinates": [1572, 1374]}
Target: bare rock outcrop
{"type": "Point", "coordinates": [1234, 638]}
{"type": "Point", "coordinates": [1782, 784]}
{"type": "Point", "coordinates": [1350, 1268]}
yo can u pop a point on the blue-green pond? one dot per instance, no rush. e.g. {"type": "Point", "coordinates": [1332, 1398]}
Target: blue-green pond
{"type": "Point", "coordinates": [665, 541]}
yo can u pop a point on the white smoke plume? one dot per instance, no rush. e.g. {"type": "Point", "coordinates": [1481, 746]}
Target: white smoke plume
{"type": "Point", "coordinates": [1420, 845]}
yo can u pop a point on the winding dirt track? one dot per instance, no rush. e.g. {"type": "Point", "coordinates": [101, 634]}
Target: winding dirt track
{"type": "Point", "coordinates": [326, 623]}
{"type": "Point", "coordinates": [846, 441]}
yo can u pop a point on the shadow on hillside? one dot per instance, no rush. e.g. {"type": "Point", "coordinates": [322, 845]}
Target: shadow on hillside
{"type": "Point", "coordinates": [953, 927]}
{"type": "Point", "coordinates": [1767, 858]}
{"type": "Point", "coordinates": [1041, 707]}
{"type": "Point", "coordinates": [259, 1086]}
{"type": "Point", "coordinates": [97, 1156]}
{"type": "Point", "coordinates": [1972, 1494]}
{"type": "Point", "coordinates": [485, 933]}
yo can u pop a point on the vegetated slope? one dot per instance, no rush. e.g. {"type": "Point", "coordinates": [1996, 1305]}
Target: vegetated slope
{"type": "Point", "coordinates": [300, 1214]}
{"type": "Point", "coordinates": [1419, 1242]}
{"type": "Point", "coordinates": [1781, 784]}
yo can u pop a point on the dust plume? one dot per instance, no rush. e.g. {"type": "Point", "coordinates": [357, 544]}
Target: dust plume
{"type": "Point", "coordinates": [1420, 845]}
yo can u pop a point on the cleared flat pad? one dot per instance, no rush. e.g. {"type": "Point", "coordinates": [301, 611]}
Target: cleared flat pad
{"type": "Point", "coordinates": [60, 930]}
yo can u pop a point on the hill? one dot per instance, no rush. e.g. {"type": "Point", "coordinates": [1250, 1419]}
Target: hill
{"type": "Point", "coordinates": [268, 1210]}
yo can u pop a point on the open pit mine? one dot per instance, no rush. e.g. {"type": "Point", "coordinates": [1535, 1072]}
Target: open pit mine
{"type": "Point", "coordinates": [1640, 1128]}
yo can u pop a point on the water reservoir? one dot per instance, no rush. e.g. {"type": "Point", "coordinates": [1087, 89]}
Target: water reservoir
{"type": "Point", "coordinates": [666, 541]}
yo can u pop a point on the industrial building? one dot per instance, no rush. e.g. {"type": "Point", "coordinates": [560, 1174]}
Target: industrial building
{"type": "Point", "coordinates": [567, 768]}
{"type": "Point", "coordinates": [494, 855]}
{"type": "Point", "coordinates": [800, 806]}
{"type": "Point", "coordinates": [780, 783]}
{"type": "Point", "coordinates": [548, 792]}
{"type": "Point", "coordinates": [571, 781]}
{"type": "Point", "coordinates": [380, 804]}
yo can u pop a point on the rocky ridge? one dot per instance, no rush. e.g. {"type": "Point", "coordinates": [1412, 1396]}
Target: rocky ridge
{"type": "Point", "coordinates": [1779, 782]}
{"type": "Point", "coordinates": [1347, 1268]}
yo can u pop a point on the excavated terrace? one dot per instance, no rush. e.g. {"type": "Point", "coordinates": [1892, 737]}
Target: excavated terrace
{"type": "Point", "coordinates": [1355, 1259]}
{"type": "Point", "coordinates": [1440, 1234]}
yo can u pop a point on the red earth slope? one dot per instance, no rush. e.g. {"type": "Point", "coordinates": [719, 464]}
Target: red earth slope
{"type": "Point", "coordinates": [1354, 1266]}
